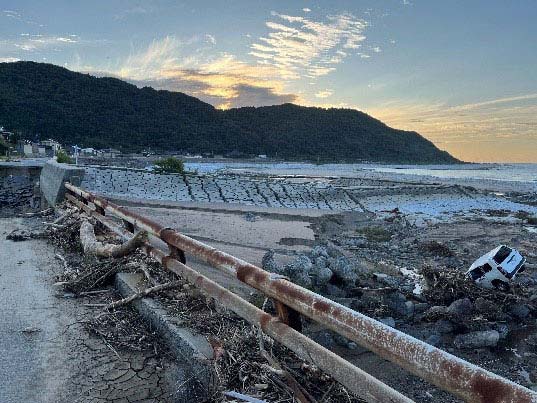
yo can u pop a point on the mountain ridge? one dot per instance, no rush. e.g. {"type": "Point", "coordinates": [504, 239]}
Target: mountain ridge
{"type": "Point", "coordinates": [102, 112]}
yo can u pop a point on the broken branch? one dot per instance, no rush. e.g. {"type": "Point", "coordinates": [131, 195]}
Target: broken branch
{"type": "Point", "coordinates": [143, 293]}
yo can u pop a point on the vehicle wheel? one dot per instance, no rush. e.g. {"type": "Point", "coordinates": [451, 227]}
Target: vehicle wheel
{"type": "Point", "coordinates": [500, 285]}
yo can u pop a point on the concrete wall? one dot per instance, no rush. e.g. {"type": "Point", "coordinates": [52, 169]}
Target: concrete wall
{"type": "Point", "coordinates": [18, 188]}
{"type": "Point", "coordinates": [53, 177]}
{"type": "Point", "coordinates": [221, 188]}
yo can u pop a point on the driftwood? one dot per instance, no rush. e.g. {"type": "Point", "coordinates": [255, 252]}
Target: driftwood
{"type": "Point", "coordinates": [242, 397]}
{"type": "Point", "coordinates": [38, 213]}
{"type": "Point", "coordinates": [92, 246]}
{"type": "Point", "coordinates": [19, 235]}
{"type": "Point", "coordinates": [143, 293]}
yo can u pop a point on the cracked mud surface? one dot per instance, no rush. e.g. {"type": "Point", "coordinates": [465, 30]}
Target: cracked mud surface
{"type": "Point", "coordinates": [47, 354]}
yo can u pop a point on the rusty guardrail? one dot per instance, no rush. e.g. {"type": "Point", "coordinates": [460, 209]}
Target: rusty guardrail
{"type": "Point", "coordinates": [463, 379]}
{"type": "Point", "coordinates": [359, 382]}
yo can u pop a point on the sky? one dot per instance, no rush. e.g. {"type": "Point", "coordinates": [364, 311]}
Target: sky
{"type": "Point", "coordinates": [461, 73]}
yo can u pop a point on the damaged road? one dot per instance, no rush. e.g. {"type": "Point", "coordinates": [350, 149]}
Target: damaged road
{"type": "Point", "coordinates": [47, 353]}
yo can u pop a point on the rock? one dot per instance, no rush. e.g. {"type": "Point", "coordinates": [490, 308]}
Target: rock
{"type": "Point", "coordinates": [434, 340]}
{"type": "Point", "coordinates": [352, 345]}
{"type": "Point", "coordinates": [398, 303]}
{"type": "Point", "coordinates": [301, 264]}
{"type": "Point", "coordinates": [387, 280]}
{"type": "Point", "coordinates": [409, 308]}
{"type": "Point", "coordinates": [322, 276]}
{"type": "Point", "coordinates": [302, 279]}
{"type": "Point", "coordinates": [444, 326]}
{"type": "Point", "coordinates": [452, 262]}
{"type": "Point", "coordinates": [319, 251]}
{"type": "Point", "coordinates": [268, 262]}
{"type": "Point", "coordinates": [520, 311]}
{"type": "Point", "coordinates": [484, 306]}
{"type": "Point", "coordinates": [343, 269]}
{"type": "Point", "coordinates": [486, 338]}
{"type": "Point", "coordinates": [341, 340]}
{"type": "Point", "coordinates": [324, 338]}
{"type": "Point", "coordinates": [320, 262]}
{"type": "Point", "coordinates": [335, 291]}
{"type": "Point", "coordinates": [389, 321]}
{"type": "Point", "coordinates": [461, 307]}
{"type": "Point", "coordinates": [533, 376]}
{"type": "Point", "coordinates": [437, 311]}
{"type": "Point", "coordinates": [421, 307]}
{"type": "Point", "coordinates": [503, 330]}
{"type": "Point", "coordinates": [365, 301]}
{"type": "Point", "coordinates": [332, 251]}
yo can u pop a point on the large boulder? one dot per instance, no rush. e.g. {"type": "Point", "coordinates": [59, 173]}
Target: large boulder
{"type": "Point", "coordinates": [268, 262]}
{"type": "Point", "coordinates": [485, 338]}
{"type": "Point", "coordinates": [461, 307]}
{"type": "Point", "coordinates": [321, 275]}
{"type": "Point", "coordinates": [344, 270]}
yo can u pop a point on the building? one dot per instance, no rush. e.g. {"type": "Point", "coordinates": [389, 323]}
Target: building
{"type": "Point", "coordinates": [31, 149]}
{"type": "Point", "coordinates": [52, 144]}
{"type": "Point", "coordinates": [25, 147]}
{"type": "Point", "coordinates": [88, 152]}
{"type": "Point", "coordinates": [5, 135]}
{"type": "Point", "coordinates": [110, 153]}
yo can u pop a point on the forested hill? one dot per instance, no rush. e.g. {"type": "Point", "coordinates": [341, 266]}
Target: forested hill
{"type": "Point", "coordinates": [76, 108]}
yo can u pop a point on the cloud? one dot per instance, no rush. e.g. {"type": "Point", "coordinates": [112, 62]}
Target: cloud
{"type": "Point", "coordinates": [223, 81]}
{"type": "Point", "coordinates": [210, 39]}
{"type": "Point", "coordinates": [300, 47]}
{"type": "Point", "coordinates": [497, 101]}
{"type": "Point", "coordinates": [136, 10]}
{"type": "Point", "coordinates": [9, 59]}
{"type": "Point", "coordinates": [30, 43]}
{"type": "Point", "coordinates": [324, 94]}
{"type": "Point", "coordinates": [306, 10]}
{"type": "Point", "coordinates": [481, 131]}
{"type": "Point", "coordinates": [15, 15]}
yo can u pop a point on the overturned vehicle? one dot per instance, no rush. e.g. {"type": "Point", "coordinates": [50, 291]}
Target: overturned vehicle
{"type": "Point", "coordinates": [497, 268]}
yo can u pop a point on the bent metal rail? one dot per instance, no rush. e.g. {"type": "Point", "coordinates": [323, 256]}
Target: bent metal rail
{"type": "Point", "coordinates": [463, 379]}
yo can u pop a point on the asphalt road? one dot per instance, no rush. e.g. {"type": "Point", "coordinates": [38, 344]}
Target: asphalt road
{"type": "Point", "coordinates": [31, 348]}
{"type": "Point", "coordinates": [45, 353]}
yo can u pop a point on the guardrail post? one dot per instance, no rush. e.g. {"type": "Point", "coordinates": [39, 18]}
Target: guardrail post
{"type": "Point", "coordinates": [128, 226]}
{"type": "Point", "coordinates": [177, 254]}
{"type": "Point", "coordinates": [288, 315]}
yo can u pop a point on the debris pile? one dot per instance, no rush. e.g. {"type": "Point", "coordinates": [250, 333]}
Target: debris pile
{"type": "Point", "coordinates": [247, 361]}
{"type": "Point", "coordinates": [440, 305]}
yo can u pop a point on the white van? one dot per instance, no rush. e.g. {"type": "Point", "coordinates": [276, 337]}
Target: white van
{"type": "Point", "coordinates": [496, 268]}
